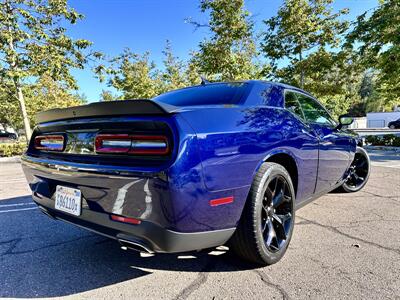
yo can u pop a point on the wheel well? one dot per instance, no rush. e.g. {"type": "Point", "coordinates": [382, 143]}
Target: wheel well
{"type": "Point", "coordinates": [289, 164]}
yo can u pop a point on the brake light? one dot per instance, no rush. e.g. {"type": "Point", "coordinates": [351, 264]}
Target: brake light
{"type": "Point", "coordinates": [113, 143]}
{"type": "Point", "coordinates": [132, 144]}
{"type": "Point", "coordinates": [49, 142]}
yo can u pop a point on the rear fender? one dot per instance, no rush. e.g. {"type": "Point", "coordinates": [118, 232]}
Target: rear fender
{"type": "Point", "coordinates": [272, 153]}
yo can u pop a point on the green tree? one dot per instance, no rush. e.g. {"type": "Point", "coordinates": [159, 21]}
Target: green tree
{"type": "Point", "coordinates": [45, 93]}
{"type": "Point", "coordinates": [192, 74]}
{"type": "Point", "coordinates": [174, 74]}
{"type": "Point", "coordinates": [132, 74]}
{"type": "Point", "coordinates": [368, 93]}
{"type": "Point", "coordinates": [301, 28]}
{"type": "Point", "coordinates": [107, 96]}
{"type": "Point", "coordinates": [33, 42]}
{"type": "Point", "coordinates": [335, 79]}
{"type": "Point", "coordinates": [379, 34]}
{"type": "Point", "coordinates": [230, 51]}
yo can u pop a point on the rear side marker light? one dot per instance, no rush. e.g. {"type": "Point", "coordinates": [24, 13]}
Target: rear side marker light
{"type": "Point", "coordinates": [49, 142]}
{"type": "Point", "coordinates": [125, 220]}
{"type": "Point", "coordinates": [221, 201]}
{"type": "Point", "coordinates": [132, 144]}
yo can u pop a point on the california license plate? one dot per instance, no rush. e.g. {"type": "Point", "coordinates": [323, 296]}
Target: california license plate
{"type": "Point", "coordinates": [68, 200]}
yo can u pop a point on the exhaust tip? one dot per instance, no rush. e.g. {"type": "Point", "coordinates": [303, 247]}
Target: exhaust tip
{"type": "Point", "coordinates": [134, 245]}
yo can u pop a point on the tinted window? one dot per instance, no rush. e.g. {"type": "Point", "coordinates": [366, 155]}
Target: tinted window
{"type": "Point", "coordinates": [211, 94]}
{"type": "Point", "coordinates": [313, 111]}
{"type": "Point", "coordinates": [292, 104]}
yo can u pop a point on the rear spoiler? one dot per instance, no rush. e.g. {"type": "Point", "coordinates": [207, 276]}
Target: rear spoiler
{"type": "Point", "coordinates": [106, 109]}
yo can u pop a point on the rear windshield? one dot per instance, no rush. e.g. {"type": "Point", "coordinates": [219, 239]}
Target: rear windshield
{"type": "Point", "coordinates": [209, 94]}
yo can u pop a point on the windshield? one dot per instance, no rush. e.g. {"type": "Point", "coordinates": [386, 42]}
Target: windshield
{"type": "Point", "coordinates": [209, 94]}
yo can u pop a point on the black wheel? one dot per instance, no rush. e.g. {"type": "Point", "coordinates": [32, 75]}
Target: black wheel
{"type": "Point", "coordinates": [266, 224]}
{"type": "Point", "coordinates": [358, 173]}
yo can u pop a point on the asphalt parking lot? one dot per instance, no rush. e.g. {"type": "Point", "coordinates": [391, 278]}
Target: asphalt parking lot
{"type": "Point", "coordinates": [344, 246]}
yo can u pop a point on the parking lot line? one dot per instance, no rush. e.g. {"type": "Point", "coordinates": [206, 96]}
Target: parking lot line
{"type": "Point", "coordinates": [16, 204]}
{"type": "Point", "coordinates": [15, 210]}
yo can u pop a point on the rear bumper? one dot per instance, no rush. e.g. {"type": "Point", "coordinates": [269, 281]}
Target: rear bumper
{"type": "Point", "coordinates": [148, 235]}
{"type": "Point", "coordinates": [142, 195]}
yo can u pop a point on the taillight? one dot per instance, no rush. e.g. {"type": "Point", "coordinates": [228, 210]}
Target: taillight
{"type": "Point", "coordinates": [49, 142]}
{"type": "Point", "coordinates": [132, 144]}
{"type": "Point", "coordinates": [113, 143]}
{"type": "Point", "coordinates": [144, 144]}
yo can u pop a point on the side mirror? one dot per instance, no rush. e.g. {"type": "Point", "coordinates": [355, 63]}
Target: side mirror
{"type": "Point", "coordinates": [344, 120]}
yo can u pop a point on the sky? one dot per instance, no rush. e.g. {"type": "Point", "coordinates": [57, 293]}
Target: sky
{"type": "Point", "coordinates": [145, 25]}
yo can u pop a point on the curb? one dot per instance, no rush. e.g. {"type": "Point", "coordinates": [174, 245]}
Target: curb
{"type": "Point", "coordinates": [12, 159]}
{"type": "Point", "coordinates": [383, 148]}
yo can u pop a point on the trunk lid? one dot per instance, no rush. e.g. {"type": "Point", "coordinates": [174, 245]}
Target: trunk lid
{"type": "Point", "coordinates": [78, 129]}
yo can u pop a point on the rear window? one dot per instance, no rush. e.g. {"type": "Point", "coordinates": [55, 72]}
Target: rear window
{"type": "Point", "coordinates": [209, 94]}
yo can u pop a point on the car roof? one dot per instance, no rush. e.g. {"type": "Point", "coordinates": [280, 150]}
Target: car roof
{"type": "Point", "coordinates": [254, 81]}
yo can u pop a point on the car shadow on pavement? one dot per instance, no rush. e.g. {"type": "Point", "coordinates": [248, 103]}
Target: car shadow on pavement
{"type": "Point", "coordinates": [41, 257]}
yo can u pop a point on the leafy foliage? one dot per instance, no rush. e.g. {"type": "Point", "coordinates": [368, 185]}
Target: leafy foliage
{"type": "Point", "coordinates": [303, 45]}
{"type": "Point", "coordinates": [12, 149]}
{"type": "Point", "coordinates": [380, 49]}
{"type": "Point", "coordinates": [174, 73]}
{"type": "Point", "coordinates": [134, 75]}
{"type": "Point", "coordinates": [300, 27]}
{"type": "Point", "coordinates": [44, 94]}
{"type": "Point", "coordinates": [229, 53]}
{"type": "Point", "coordinates": [34, 43]}
{"type": "Point", "coordinates": [385, 140]}
{"type": "Point", "coordinates": [107, 96]}
{"type": "Point", "coordinates": [308, 35]}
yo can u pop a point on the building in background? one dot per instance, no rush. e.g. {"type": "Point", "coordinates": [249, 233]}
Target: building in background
{"type": "Point", "coordinates": [381, 119]}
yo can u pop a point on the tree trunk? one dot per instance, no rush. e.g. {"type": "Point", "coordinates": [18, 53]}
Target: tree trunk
{"type": "Point", "coordinates": [301, 71]}
{"type": "Point", "coordinates": [14, 66]}
{"type": "Point", "coordinates": [21, 100]}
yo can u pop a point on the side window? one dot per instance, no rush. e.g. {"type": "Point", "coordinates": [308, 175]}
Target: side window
{"type": "Point", "coordinates": [314, 112]}
{"type": "Point", "coordinates": [292, 104]}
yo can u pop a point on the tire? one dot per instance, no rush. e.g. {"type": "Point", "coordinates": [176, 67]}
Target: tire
{"type": "Point", "coordinates": [348, 186]}
{"type": "Point", "coordinates": [250, 241]}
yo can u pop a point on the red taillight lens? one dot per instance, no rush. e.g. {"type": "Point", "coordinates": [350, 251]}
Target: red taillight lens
{"type": "Point", "coordinates": [143, 144]}
{"type": "Point", "coordinates": [113, 143]}
{"type": "Point", "coordinates": [49, 142]}
{"type": "Point", "coordinates": [132, 144]}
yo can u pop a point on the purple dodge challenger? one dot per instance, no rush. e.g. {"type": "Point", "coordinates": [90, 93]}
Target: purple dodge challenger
{"type": "Point", "coordinates": [219, 163]}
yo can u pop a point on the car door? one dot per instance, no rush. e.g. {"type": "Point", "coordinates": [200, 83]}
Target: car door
{"type": "Point", "coordinates": [334, 144]}
{"type": "Point", "coordinates": [307, 143]}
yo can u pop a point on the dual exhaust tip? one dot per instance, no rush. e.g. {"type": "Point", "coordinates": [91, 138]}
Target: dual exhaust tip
{"type": "Point", "coordinates": [125, 244]}
{"type": "Point", "coordinates": [134, 245]}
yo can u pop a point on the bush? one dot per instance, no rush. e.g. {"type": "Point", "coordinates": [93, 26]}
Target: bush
{"type": "Point", "coordinates": [12, 149]}
{"type": "Point", "coordinates": [383, 140]}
